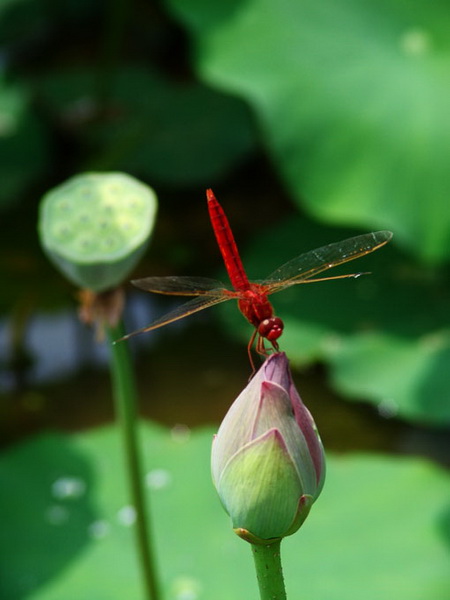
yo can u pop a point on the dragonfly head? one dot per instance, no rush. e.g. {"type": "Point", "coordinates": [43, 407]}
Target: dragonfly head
{"type": "Point", "coordinates": [271, 328]}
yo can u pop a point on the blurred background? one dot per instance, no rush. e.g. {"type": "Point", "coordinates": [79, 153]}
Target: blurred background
{"type": "Point", "coordinates": [312, 122]}
{"type": "Point", "coordinates": [307, 131]}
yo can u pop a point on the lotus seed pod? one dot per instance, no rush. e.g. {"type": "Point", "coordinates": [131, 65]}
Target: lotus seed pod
{"type": "Point", "coordinates": [94, 227]}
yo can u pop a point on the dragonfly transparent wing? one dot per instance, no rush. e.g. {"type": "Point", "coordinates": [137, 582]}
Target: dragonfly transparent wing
{"type": "Point", "coordinates": [312, 263]}
{"type": "Point", "coordinates": [180, 285]}
{"type": "Point", "coordinates": [188, 308]}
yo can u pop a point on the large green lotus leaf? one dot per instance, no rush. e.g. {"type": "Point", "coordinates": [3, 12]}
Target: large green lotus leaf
{"type": "Point", "coordinates": [384, 335]}
{"type": "Point", "coordinates": [381, 525]}
{"type": "Point", "coordinates": [353, 99]}
{"type": "Point", "coordinates": [403, 378]}
{"type": "Point", "coordinates": [178, 133]}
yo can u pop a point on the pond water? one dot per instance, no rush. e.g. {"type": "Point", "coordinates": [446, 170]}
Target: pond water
{"type": "Point", "coordinates": [188, 374]}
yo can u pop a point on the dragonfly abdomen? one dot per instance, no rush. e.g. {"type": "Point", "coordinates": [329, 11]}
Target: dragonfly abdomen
{"type": "Point", "coordinates": [227, 245]}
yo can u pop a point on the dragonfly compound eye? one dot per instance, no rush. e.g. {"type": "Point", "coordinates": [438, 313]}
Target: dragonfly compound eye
{"type": "Point", "coordinates": [271, 329]}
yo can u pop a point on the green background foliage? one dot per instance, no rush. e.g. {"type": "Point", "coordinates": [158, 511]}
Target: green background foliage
{"type": "Point", "coordinates": [351, 100]}
{"type": "Point", "coordinates": [313, 122]}
{"type": "Point", "coordinates": [341, 550]}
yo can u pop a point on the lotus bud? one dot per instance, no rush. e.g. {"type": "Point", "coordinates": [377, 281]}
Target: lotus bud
{"type": "Point", "coordinates": [268, 464]}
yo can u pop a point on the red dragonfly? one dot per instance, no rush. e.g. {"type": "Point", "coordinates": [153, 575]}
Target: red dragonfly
{"type": "Point", "coordinates": [251, 295]}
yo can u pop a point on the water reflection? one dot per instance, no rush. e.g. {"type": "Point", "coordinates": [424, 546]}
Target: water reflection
{"type": "Point", "coordinates": [58, 345]}
{"type": "Point", "coordinates": [126, 515]}
{"type": "Point", "coordinates": [99, 529]}
{"type": "Point", "coordinates": [158, 479]}
{"type": "Point", "coordinates": [65, 488]}
{"type": "Point", "coordinates": [181, 384]}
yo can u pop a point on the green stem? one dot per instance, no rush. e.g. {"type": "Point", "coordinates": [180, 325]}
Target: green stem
{"type": "Point", "coordinates": [269, 571]}
{"type": "Point", "coordinates": [125, 398]}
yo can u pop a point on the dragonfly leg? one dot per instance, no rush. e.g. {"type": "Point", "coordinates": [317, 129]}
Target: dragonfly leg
{"type": "Point", "coordinates": [249, 350]}
{"type": "Point", "coordinates": [275, 345]}
{"type": "Point", "coordinates": [260, 349]}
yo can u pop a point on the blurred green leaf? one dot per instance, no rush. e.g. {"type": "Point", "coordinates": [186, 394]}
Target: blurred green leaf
{"type": "Point", "coordinates": [353, 100]}
{"type": "Point", "coordinates": [384, 335]}
{"type": "Point", "coordinates": [23, 144]}
{"type": "Point", "coordinates": [41, 531]}
{"type": "Point", "coordinates": [403, 377]}
{"type": "Point", "coordinates": [366, 534]}
{"type": "Point", "coordinates": [176, 133]}
{"type": "Point", "coordinates": [26, 23]}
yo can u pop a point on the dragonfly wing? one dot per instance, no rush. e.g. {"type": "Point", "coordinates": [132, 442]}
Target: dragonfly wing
{"type": "Point", "coordinates": [188, 308]}
{"type": "Point", "coordinates": [180, 286]}
{"type": "Point", "coordinates": [312, 263]}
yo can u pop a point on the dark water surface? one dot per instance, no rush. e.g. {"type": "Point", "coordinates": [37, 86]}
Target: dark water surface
{"type": "Point", "coordinates": [187, 375]}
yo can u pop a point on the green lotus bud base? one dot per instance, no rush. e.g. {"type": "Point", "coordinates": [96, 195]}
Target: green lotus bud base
{"type": "Point", "coordinates": [94, 227]}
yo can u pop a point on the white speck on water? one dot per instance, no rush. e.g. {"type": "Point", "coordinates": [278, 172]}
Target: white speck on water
{"type": "Point", "coordinates": [127, 515]}
{"type": "Point", "coordinates": [186, 588]}
{"type": "Point", "coordinates": [387, 408]}
{"type": "Point", "coordinates": [67, 488]}
{"type": "Point", "coordinates": [415, 42]}
{"type": "Point", "coordinates": [8, 124]}
{"type": "Point", "coordinates": [157, 479]}
{"type": "Point", "coordinates": [180, 433]}
{"type": "Point", "coordinates": [99, 529]}
{"type": "Point", "coordinates": [332, 343]}
{"type": "Point", "coordinates": [56, 514]}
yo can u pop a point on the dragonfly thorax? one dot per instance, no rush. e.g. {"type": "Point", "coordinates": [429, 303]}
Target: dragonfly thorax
{"type": "Point", "coordinates": [255, 307]}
